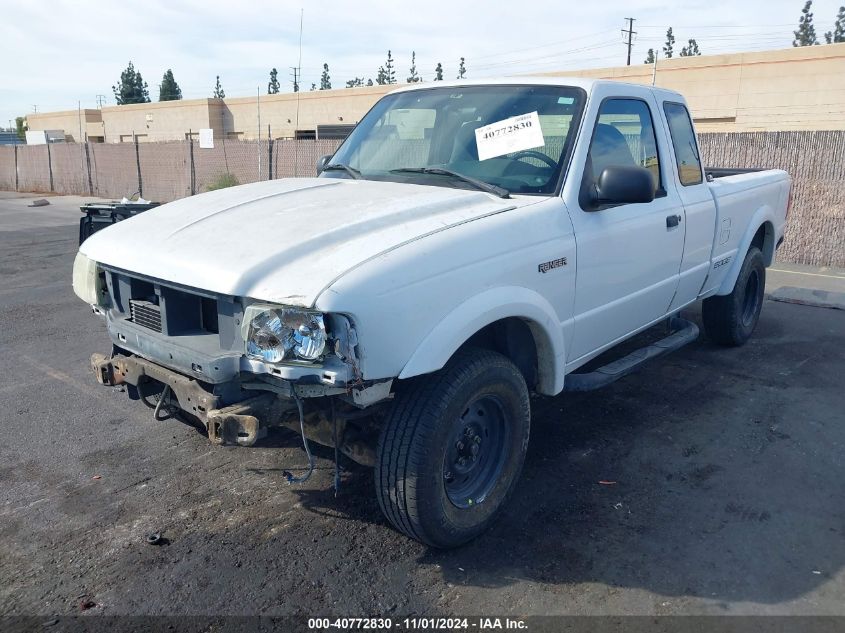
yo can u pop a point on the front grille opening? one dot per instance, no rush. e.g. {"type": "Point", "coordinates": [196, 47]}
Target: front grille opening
{"type": "Point", "coordinates": [146, 314]}
{"type": "Point", "coordinates": [144, 290]}
{"type": "Point", "coordinates": [209, 315]}
{"type": "Point", "coordinates": [165, 309]}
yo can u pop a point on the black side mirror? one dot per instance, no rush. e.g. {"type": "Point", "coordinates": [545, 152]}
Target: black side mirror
{"type": "Point", "coordinates": [624, 185]}
{"type": "Point", "coordinates": [322, 162]}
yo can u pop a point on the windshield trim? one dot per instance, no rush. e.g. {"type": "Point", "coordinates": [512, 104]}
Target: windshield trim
{"type": "Point", "coordinates": [566, 155]}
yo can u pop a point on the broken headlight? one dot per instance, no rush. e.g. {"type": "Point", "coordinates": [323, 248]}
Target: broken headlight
{"type": "Point", "coordinates": [275, 334]}
{"type": "Point", "coordinates": [89, 281]}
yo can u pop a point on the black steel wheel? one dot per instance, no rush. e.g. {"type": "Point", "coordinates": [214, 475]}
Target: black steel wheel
{"type": "Point", "coordinates": [474, 457]}
{"type": "Point", "coordinates": [731, 319]}
{"type": "Point", "coordinates": [752, 299]}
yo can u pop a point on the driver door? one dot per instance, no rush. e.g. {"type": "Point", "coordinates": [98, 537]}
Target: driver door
{"type": "Point", "coordinates": [628, 256]}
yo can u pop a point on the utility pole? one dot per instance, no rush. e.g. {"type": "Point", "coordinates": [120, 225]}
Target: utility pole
{"type": "Point", "coordinates": [101, 100]}
{"type": "Point", "coordinates": [34, 107]}
{"type": "Point", "coordinates": [630, 32]}
{"type": "Point", "coordinates": [654, 69]}
{"type": "Point", "coordinates": [296, 124]}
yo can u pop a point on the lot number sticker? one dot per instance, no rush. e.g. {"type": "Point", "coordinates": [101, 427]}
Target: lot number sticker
{"type": "Point", "coordinates": [510, 135]}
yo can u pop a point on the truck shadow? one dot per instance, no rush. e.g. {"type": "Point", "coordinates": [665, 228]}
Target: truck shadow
{"type": "Point", "coordinates": [690, 478]}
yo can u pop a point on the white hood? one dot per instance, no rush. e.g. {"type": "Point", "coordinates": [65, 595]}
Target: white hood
{"type": "Point", "coordinates": [283, 241]}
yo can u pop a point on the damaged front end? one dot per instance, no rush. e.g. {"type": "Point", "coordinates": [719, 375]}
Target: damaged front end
{"type": "Point", "coordinates": [239, 413]}
{"type": "Point", "coordinates": [237, 366]}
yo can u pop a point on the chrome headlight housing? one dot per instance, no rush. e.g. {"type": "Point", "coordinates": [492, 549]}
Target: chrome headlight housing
{"type": "Point", "coordinates": [276, 334]}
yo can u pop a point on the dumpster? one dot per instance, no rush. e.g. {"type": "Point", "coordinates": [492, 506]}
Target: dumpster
{"type": "Point", "coordinates": [99, 215]}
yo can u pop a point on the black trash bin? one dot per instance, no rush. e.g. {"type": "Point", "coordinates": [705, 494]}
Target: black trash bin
{"type": "Point", "coordinates": [99, 215]}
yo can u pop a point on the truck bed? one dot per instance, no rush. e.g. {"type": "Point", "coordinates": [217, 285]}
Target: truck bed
{"type": "Point", "coordinates": [723, 172]}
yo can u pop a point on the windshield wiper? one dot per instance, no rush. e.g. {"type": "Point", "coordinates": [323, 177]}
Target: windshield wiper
{"type": "Point", "coordinates": [478, 184]}
{"type": "Point", "coordinates": [341, 167]}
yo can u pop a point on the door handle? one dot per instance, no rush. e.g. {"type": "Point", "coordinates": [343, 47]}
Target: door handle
{"type": "Point", "coordinates": [672, 221]}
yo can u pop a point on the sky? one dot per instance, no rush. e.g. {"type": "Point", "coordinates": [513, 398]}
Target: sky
{"type": "Point", "coordinates": [56, 54]}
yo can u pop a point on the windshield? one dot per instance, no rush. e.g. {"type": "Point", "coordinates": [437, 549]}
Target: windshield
{"type": "Point", "coordinates": [516, 138]}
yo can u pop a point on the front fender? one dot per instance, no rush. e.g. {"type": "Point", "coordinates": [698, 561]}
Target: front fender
{"type": "Point", "coordinates": [488, 307]}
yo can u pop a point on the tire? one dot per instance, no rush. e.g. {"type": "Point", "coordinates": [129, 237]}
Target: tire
{"type": "Point", "coordinates": [730, 319]}
{"type": "Point", "coordinates": [480, 400]}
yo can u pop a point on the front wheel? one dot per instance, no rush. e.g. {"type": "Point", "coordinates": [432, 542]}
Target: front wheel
{"type": "Point", "coordinates": [730, 319]}
{"type": "Point", "coordinates": [452, 448]}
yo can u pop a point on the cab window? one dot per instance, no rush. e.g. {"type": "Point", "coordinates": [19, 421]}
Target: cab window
{"type": "Point", "coordinates": [684, 143]}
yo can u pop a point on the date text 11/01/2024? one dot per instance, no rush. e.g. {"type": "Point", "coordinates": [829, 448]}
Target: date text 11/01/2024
{"type": "Point", "coordinates": [417, 624]}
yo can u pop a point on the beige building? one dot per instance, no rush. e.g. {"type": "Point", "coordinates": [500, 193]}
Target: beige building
{"type": "Point", "coordinates": [77, 125]}
{"type": "Point", "coordinates": [790, 89]}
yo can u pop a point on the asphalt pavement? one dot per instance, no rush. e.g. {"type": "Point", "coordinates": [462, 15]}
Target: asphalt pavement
{"type": "Point", "coordinates": [710, 482]}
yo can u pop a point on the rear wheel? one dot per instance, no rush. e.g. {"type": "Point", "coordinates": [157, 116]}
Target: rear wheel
{"type": "Point", "coordinates": [730, 319]}
{"type": "Point", "coordinates": [452, 448]}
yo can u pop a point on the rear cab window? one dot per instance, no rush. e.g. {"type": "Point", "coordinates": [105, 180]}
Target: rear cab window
{"type": "Point", "coordinates": [684, 143]}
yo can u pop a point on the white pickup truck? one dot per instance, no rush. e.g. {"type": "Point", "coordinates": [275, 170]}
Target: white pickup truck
{"type": "Point", "coordinates": [468, 244]}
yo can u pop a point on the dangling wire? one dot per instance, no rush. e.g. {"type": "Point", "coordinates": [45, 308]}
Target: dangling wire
{"type": "Point", "coordinates": [165, 404]}
{"type": "Point", "coordinates": [288, 475]}
{"type": "Point", "coordinates": [336, 452]}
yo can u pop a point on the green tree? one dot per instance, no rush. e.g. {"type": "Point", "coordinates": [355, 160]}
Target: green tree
{"type": "Point", "coordinates": [414, 77]}
{"type": "Point", "coordinates": [381, 76]}
{"type": "Point", "coordinates": [218, 90]}
{"type": "Point", "coordinates": [838, 33]}
{"type": "Point", "coordinates": [168, 89]}
{"type": "Point", "coordinates": [273, 86]}
{"type": "Point", "coordinates": [325, 80]}
{"type": "Point", "coordinates": [669, 46]}
{"type": "Point", "coordinates": [21, 127]}
{"type": "Point", "coordinates": [806, 33]}
{"type": "Point", "coordinates": [131, 88]}
{"type": "Point", "coordinates": [438, 72]}
{"type": "Point", "coordinates": [389, 69]}
{"type": "Point", "coordinates": [355, 83]}
{"type": "Point", "coordinates": [313, 87]}
{"type": "Point", "coordinates": [369, 82]}
{"type": "Point", "coordinates": [462, 69]}
{"type": "Point", "coordinates": [650, 57]}
{"type": "Point", "coordinates": [690, 50]}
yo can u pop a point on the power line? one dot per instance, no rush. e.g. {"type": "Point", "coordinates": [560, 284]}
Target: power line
{"type": "Point", "coordinates": [531, 48]}
{"type": "Point", "coordinates": [548, 56]}
{"type": "Point", "coordinates": [713, 26]}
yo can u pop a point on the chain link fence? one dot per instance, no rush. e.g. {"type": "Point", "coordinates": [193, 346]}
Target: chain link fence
{"type": "Point", "coordinates": [175, 169]}
{"type": "Point", "coordinates": [33, 168]}
{"type": "Point", "coordinates": [8, 167]}
{"type": "Point", "coordinates": [68, 167]}
{"type": "Point", "coordinates": [815, 233]}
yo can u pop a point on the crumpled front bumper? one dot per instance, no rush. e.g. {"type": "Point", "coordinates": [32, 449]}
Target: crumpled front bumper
{"type": "Point", "coordinates": [227, 422]}
{"type": "Point", "coordinates": [240, 411]}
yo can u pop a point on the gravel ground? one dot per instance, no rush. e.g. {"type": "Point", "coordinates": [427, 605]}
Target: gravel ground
{"type": "Point", "coordinates": [726, 465]}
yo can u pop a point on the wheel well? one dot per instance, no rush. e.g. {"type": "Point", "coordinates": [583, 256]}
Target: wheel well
{"type": "Point", "coordinates": [764, 239]}
{"type": "Point", "coordinates": [510, 337]}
